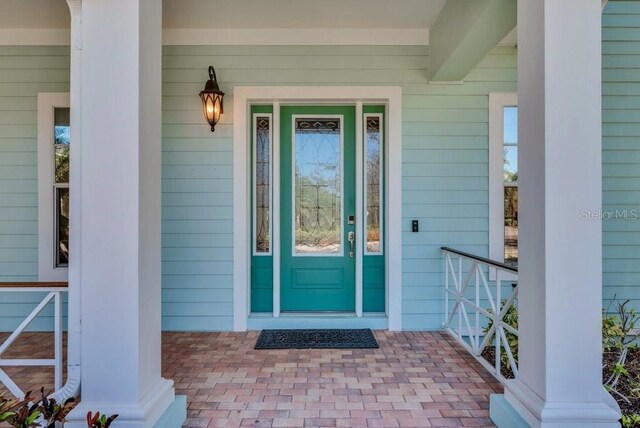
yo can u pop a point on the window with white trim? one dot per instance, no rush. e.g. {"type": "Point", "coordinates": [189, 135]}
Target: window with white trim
{"type": "Point", "coordinates": [503, 177]}
{"type": "Point", "coordinates": [54, 145]}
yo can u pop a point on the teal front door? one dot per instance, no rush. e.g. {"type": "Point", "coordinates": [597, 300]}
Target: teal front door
{"type": "Point", "coordinates": [318, 202]}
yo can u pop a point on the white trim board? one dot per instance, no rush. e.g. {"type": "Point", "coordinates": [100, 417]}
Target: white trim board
{"type": "Point", "coordinates": [497, 102]}
{"type": "Point", "coordinates": [243, 96]}
{"type": "Point", "coordinates": [47, 102]}
{"type": "Point", "coordinates": [275, 225]}
{"type": "Point", "coordinates": [360, 236]}
{"type": "Point", "coordinates": [241, 36]}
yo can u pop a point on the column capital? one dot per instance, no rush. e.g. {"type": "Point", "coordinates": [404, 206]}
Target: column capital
{"type": "Point", "coordinates": [75, 7]}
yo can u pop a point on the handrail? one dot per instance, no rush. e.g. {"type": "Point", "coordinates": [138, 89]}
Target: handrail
{"type": "Point", "coordinates": [476, 315]}
{"type": "Point", "coordinates": [54, 292]}
{"type": "Point", "coordinates": [492, 263]}
{"type": "Point", "coordinates": [39, 284]}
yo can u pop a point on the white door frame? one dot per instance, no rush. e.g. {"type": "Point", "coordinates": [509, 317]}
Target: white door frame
{"type": "Point", "coordinates": [243, 97]}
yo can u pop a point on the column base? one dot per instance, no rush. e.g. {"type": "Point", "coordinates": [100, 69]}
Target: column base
{"type": "Point", "coordinates": [503, 414]}
{"type": "Point", "coordinates": [144, 414]}
{"type": "Point", "coordinates": [175, 415]}
{"type": "Point", "coordinates": [536, 412]}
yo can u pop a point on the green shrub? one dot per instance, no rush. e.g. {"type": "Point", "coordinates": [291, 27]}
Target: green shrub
{"type": "Point", "coordinates": [99, 421]}
{"type": "Point", "coordinates": [45, 413]}
{"type": "Point", "coordinates": [511, 319]}
{"type": "Point", "coordinates": [630, 421]}
{"type": "Point", "coordinates": [621, 379]}
{"type": "Point", "coordinates": [19, 413]}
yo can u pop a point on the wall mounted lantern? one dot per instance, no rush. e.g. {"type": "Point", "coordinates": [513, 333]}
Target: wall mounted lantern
{"type": "Point", "coordinates": [212, 96]}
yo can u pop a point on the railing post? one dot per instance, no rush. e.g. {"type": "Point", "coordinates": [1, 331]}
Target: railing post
{"type": "Point", "coordinates": [498, 344]}
{"type": "Point", "coordinates": [459, 294]}
{"type": "Point", "coordinates": [476, 335]}
{"type": "Point", "coordinates": [447, 260]}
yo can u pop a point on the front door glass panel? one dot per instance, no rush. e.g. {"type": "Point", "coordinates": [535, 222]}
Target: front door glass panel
{"type": "Point", "coordinates": [317, 186]}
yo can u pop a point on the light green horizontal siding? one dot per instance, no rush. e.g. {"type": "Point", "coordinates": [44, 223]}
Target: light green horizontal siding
{"type": "Point", "coordinates": [621, 150]}
{"type": "Point", "coordinates": [445, 137]}
{"type": "Point", "coordinates": [24, 71]}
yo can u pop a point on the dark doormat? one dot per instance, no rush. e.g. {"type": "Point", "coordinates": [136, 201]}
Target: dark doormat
{"type": "Point", "coordinates": [316, 339]}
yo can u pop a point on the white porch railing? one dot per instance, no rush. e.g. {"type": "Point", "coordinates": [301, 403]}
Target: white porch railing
{"type": "Point", "coordinates": [54, 292]}
{"type": "Point", "coordinates": [476, 304]}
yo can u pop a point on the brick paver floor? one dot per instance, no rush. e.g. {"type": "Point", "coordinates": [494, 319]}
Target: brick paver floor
{"type": "Point", "coordinates": [416, 379]}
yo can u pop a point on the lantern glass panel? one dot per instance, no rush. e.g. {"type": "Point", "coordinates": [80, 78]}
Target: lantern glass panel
{"type": "Point", "coordinates": [217, 110]}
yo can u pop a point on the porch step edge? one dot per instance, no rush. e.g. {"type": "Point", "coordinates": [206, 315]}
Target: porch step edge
{"type": "Point", "coordinates": [261, 322]}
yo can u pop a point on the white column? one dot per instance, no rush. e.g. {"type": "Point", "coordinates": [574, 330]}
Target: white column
{"type": "Point", "coordinates": [120, 203]}
{"type": "Point", "coordinates": [560, 278]}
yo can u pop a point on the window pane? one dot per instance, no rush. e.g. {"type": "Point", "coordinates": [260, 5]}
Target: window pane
{"type": "Point", "coordinates": [511, 225]}
{"type": "Point", "coordinates": [62, 226]}
{"type": "Point", "coordinates": [510, 125]}
{"type": "Point", "coordinates": [61, 125]}
{"type": "Point", "coordinates": [61, 116]}
{"type": "Point", "coordinates": [373, 172]}
{"type": "Point", "coordinates": [62, 135]}
{"type": "Point", "coordinates": [62, 139]}
{"type": "Point", "coordinates": [510, 164]}
{"type": "Point", "coordinates": [61, 164]}
{"type": "Point", "coordinates": [318, 186]}
{"type": "Point", "coordinates": [262, 183]}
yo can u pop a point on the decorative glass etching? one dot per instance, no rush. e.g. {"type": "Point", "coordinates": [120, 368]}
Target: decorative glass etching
{"type": "Point", "coordinates": [510, 144]}
{"type": "Point", "coordinates": [61, 152]}
{"type": "Point", "coordinates": [373, 176]}
{"type": "Point", "coordinates": [318, 186]}
{"type": "Point", "coordinates": [262, 184]}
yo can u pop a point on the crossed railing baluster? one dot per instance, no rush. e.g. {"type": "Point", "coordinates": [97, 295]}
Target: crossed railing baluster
{"type": "Point", "coordinates": [54, 296]}
{"type": "Point", "coordinates": [475, 307]}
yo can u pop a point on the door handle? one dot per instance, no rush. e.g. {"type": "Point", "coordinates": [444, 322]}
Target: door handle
{"type": "Point", "coordinates": [351, 236]}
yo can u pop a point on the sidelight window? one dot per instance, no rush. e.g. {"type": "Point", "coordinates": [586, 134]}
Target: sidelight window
{"type": "Point", "coordinates": [262, 166]}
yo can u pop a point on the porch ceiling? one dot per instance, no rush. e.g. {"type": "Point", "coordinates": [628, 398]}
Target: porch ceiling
{"type": "Point", "coordinates": [34, 14]}
{"type": "Point", "coordinates": [402, 14]}
{"type": "Point", "coordinates": [301, 13]}
{"type": "Point", "coordinates": [398, 22]}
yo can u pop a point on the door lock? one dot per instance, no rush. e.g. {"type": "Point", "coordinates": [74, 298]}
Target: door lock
{"type": "Point", "coordinates": [351, 236]}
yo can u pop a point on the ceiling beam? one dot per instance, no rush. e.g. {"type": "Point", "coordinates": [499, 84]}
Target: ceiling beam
{"type": "Point", "coordinates": [464, 33]}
